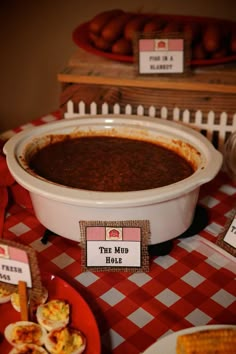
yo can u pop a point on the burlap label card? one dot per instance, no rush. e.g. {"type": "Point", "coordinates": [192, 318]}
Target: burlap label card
{"type": "Point", "coordinates": [115, 245]}
{"type": "Point", "coordinates": [18, 262]}
{"type": "Point", "coordinates": [227, 239]}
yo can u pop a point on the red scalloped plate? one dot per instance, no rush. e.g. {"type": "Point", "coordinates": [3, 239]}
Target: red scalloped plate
{"type": "Point", "coordinates": [81, 315]}
{"type": "Point", "coordinates": [81, 39]}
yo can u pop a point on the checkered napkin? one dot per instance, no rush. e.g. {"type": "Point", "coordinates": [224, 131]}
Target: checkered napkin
{"type": "Point", "coordinates": [9, 189]}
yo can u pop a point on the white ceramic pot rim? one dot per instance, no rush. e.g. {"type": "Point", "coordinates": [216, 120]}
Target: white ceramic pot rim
{"type": "Point", "coordinates": [15, 146]}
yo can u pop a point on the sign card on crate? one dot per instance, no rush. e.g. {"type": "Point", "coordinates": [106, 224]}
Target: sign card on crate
{"type": "Point", "coordinates": [115, 245]}
{"type": "Point", "coordinates": [162, 54]}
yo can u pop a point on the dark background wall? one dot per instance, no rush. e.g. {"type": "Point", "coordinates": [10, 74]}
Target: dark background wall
{"type": "Point", "coordinates": [36, 42]}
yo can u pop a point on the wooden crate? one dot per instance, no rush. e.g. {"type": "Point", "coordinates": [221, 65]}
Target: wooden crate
{"type": "Point", "coordinates": [91, 78]}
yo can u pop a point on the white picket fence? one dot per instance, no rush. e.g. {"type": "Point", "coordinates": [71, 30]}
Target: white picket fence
{"type": "Point", "coordinates": [216, 128]}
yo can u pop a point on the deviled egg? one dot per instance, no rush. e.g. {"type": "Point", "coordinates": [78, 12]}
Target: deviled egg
{"type": "Point", "coordinates": [25, 332]}
{"type": "Point", "coordinates": [28, 348]}
{"type": "Point", "coordinates": [15, 300]}
{"type": "Point", "coordinates": [65, 340]}
{"type": "Point", "coordinates": [5, 295]}
{"type": "Point", "coordinates": [53, 314]}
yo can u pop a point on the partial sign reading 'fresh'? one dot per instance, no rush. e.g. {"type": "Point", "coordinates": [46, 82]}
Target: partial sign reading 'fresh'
{"type": "Point", "coordinates": [14, 265]}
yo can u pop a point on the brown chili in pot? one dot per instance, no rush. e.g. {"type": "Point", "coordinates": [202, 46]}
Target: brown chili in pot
{"type": "Point", "coordinates": [109, 164]}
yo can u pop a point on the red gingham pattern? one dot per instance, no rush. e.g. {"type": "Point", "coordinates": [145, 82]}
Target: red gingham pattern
{"type": "Point", "coordinates": [193, 285]}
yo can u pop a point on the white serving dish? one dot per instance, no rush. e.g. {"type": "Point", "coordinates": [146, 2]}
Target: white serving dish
{"type": "Point", "coordinates": [170, 209]}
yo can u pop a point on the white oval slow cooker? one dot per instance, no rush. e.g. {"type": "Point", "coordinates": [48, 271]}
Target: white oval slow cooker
{"type": "Point", "coordinates": [169, 209]}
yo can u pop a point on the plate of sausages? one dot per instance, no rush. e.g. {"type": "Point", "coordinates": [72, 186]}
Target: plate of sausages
{"type": "Point", "coordinates": [112, 34]}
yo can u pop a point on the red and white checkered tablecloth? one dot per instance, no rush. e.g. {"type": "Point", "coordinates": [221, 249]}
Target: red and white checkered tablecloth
{"type": "Point", "coordinates": [193, 285]}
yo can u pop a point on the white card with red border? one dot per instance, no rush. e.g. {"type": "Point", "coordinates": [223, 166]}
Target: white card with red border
{"type": "Point", "coordinates": [161, 56]}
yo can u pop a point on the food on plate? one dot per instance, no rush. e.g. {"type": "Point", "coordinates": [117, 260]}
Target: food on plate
{"type": "Point", "coordinates": [5, 295]}
{"type": "Point", "coordinates": [99, 42]}
{"type": "Point", "coordinates": [219, 53]}
{"type": "Point", "coordinates": [29, 337]}
{"type": "Point", "coordinates": [171, 27]}
{"type": "Point", "coordinates": [15, 300]}
{"type": "Point", "coordinates": [122, 46]}
{"type": "Point", "coordinates": [53, 314]}
{"type": "Point", "coordinates": [192, 31]}
{"type": "Point", "coordinates": [100, 20]}
{"type": "Point", "coordinates": [25, 332]}
{"type": "Point", "coordinates": [220, 341]}
{"type": "Point", "coordinates": [28, 349]}
{"type": "Point", "coordinates": [233, 40]}
{"type": "Point", "coordinates": [114, 28]}
{"type": "Point", "coordinates": [153, 25]}
{"type": "Point", "coordinates": [211, 38]}
{"type": "Point", "coordinates": [65, 340]}
{"type": "Point", "coordinates": [36, 300]}
{"type": "Point", "coordinates": [134, 25]}
{"type": "Point", "coordinates": [118, 165]}
{"type": "Point", "coordinates": [217, 37]}
{"type": "Point", "coordinates": [198, 52]}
